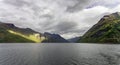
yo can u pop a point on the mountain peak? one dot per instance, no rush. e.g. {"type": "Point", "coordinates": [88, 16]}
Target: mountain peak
{"type": "Point", "coordinates": [8, 25]}
{"type": "Point", "coordinates": [54, 38]}
{"type": "Point", "coordinates": [116, 14]}
{"type": "Point", "coordinates": [11, 33]}
{"type": "Point", "coordinates": [110, 18]}
{"type": "Point", "coordinates": [107, 30]}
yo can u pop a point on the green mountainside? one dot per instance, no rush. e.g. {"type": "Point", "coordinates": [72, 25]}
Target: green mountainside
{"type": "Point", "coordinates": [107, 30]}
{"type": "Point", "coordinates": [6, 37]}
{"type": "Point", "coordinates": [12, 34]}
{"type": "Point", "coordinates": [9, 33]}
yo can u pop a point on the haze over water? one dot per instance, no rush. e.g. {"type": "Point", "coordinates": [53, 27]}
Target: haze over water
{"type": "Point", "coordinates": [59, 54]}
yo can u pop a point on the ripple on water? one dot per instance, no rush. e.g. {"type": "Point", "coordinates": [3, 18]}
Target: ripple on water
{"type": "Point", "coordinates": [59, 54]}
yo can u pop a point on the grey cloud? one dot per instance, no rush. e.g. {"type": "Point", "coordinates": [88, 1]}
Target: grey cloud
{"type": "Point", "coordinates": [110, 4]}
{"type": "Point", "coordinates": [17, 3]}
{"type": "Point", "coordinates": [36, 9]}
{"type": "Point", "coordinates": [75, 32]}
{"type": "Point", "coordinates": [48, 16]}
{"type": "Point", "coordinates": [79, 31]}
{"type": "Point", "coordinates": [48, 25]}
{"type": "Point", "coordinates": [64, 27]}
{"type": "Point", "coordinates": [21, 18]}
{"type": "Point", "coordinates": [79, 4]}
{"type": "Point", "coordinates": [55, 16]}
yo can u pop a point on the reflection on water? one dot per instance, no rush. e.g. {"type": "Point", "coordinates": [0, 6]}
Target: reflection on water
{"type": "Point", "coordinates": [59, 54]}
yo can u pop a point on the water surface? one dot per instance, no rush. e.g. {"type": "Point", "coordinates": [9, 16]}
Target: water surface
{"type": "Point", "coordinates": [59, 54]}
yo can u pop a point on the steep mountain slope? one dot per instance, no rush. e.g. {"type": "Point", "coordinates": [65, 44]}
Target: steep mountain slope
{"type": "Point", "coordinates": [107, 30]}
{"type": "Point", "coordinates": [53, 38]}
{"type": "Point", "coordinates": [11, 33]}
{"type": "Point", "coordinates": [6, 37]}
{"type": "Point", "coordinates": [73, 40]}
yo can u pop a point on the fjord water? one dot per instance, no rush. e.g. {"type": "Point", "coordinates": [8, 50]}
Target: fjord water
{"type": "Point", "coordinates": [59, 54]}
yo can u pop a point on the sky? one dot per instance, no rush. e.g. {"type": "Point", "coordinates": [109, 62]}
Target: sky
{"type": "Point", "coordinates": [69, 18]}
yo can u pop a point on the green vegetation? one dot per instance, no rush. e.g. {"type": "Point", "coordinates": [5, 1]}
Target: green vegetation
{"type": "Point", "coordinates": [12, 34]}
{"type": "Point", "coordinates": [105, 31]}
{"type": "Point", "coordinates": [9, 33]}
{"type": "Point", "coordinates": [33, 37]}
{"type": "Point", "coordinates": [6, 37]}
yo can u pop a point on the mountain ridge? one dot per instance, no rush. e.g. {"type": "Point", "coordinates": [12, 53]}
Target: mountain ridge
{"type": "Point", "coordinates": [26, 33]}
{"type": "Point", "coordinates": [107, 30]}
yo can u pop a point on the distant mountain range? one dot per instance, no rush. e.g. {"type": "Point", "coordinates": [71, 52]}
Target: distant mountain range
{"type": "Point", "coordinates": [9, 33]}
{"type": "Point", "coordinates": [107, 30]}
{"type": "Point", "coordinates": [73, 40]}
{"type": "Point", "coordinates": [54, 38]}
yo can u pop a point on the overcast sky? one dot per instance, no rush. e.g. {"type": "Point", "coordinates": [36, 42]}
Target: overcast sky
{"type": "Point", "coordinates": [69, 18]}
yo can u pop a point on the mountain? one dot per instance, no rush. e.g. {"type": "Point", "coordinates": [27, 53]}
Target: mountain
{"type": "Point", "coordinates": [54, 38]}
{"type": "Point", "coordinates": [9, 33]}
{"type": "Point", "coordinates": [73, 40]}
{"type": "Point", "coordinates": [107, 30]}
